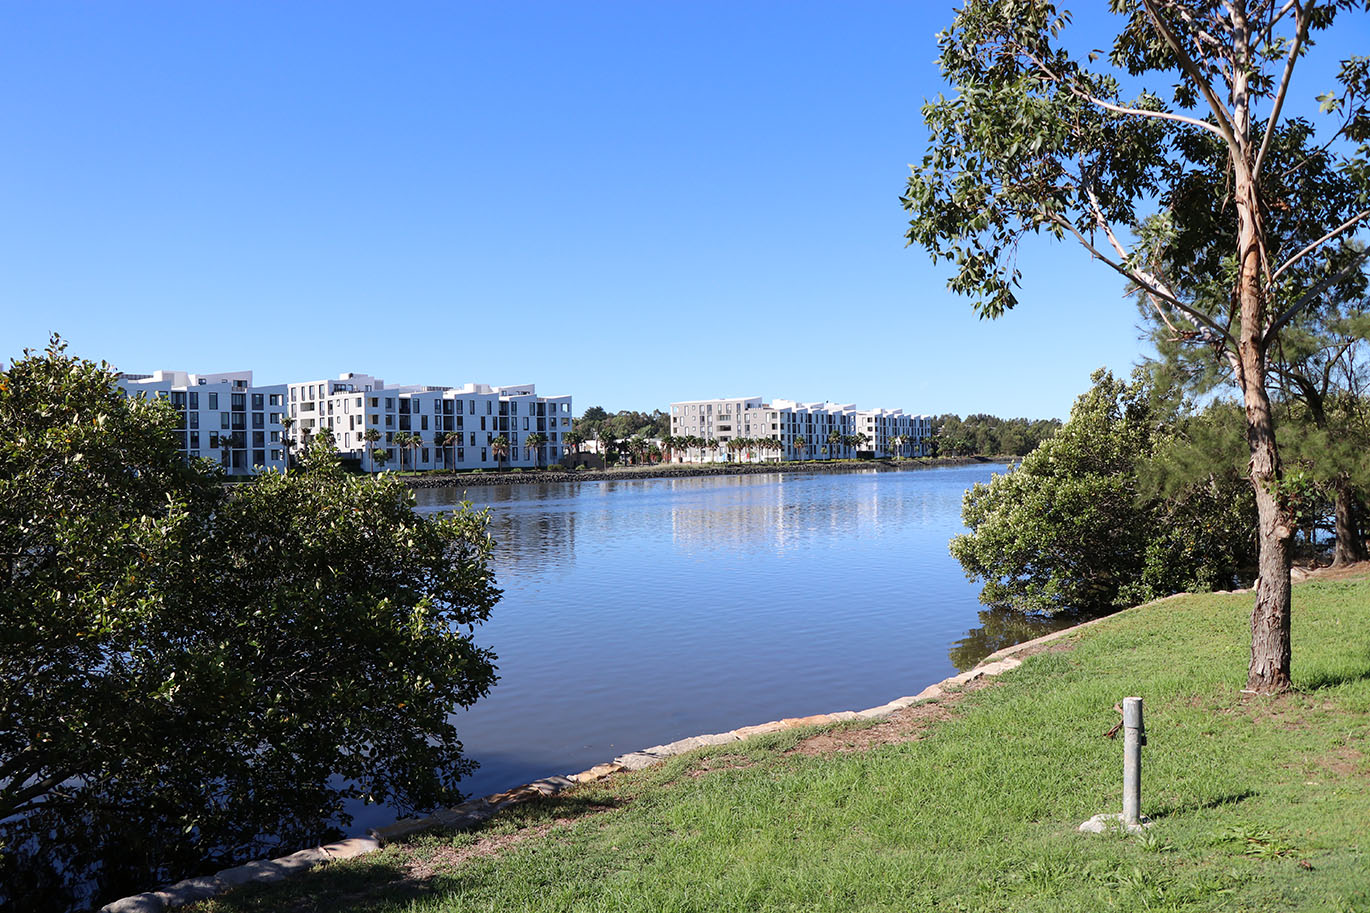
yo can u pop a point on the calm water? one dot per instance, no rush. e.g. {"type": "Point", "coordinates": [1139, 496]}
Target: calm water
{"type": "Point", "coordinates": [637, 613]}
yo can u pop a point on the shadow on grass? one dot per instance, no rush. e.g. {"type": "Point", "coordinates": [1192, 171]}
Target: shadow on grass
{"type": "Point", "coordinates": [1320, 681]}
{"type": "Point", "coordinates": [423, 865]}
{"type": "Point", "coordinates": [1183, 808]}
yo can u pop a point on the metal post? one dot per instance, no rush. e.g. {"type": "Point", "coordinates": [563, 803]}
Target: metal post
{"type": "Point", "coordinates": [1134, 737]}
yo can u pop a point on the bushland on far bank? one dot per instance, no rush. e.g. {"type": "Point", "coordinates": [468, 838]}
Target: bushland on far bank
{"type": "Point", "coordinates": [196, 674]}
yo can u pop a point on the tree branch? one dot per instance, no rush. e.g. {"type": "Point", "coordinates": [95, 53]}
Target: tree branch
{"type": "Point", "coordinates": [1300, 33]}
{"type": "Point", "coordinates": [1314, 292]}
{"type": "Point", "coordinates": [1359, 217]}
{"type": "Point", "coordinates": [1191, 70]}
{"type": "Point", "coordinates": [1145, 281]}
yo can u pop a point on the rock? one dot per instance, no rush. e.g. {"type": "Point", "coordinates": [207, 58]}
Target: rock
{"type": "Point", "coordinates": [402, 828]}
{"type": "Point", "coordinates": [820, 719]}
{"type": "Point", "coordinates": [191, 890]}
{"type": "Point", "coordinates": [636, 760]}
{"type": "Point", "coordinates": [598, 772]}
{"type": "Point", "coordinates": [1113, 822]}
{"type": "Point", "coordinates": [351, 848]}
{"type": "Point", "coordinates": [138, 903]}
{"type": "Point", "coordinates": [747, 732]}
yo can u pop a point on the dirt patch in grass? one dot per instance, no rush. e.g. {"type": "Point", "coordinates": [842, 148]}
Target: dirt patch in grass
{"type": "Point", "coordinates": [1345, 762]}
{"type": "Point", "coordinates": [901, 726]}
{"type": "Point", "coordinates": [438, 859]}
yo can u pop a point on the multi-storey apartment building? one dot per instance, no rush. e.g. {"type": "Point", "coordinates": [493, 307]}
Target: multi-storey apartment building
{"type": "Point", "coordinates": [224, 417]}
{"type": "Point", "coordinates": [441, 427]}
{"type": "Point", "coordinates": [794, 430]}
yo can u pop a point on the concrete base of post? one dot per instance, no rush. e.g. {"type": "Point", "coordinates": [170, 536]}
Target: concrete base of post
{"type": "Point", "coordinates": [1114, 822]}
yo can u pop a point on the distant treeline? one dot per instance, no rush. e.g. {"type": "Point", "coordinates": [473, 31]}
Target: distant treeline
{"type": "Point", "coordinates": [989, 435]}
{"type": "Point", "coordinates": [623, 425]}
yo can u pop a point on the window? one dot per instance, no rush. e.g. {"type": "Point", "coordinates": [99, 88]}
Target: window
{"type": "Point", "coordinates": [194, 400]}
{"type": "Point", "coordinates": [258, 457]}
{"type": "Point", "coordinates": [239, 401]}
{"type": "Point", "coordinates": [194, 440]}
{"type": "Point", "coordinates": [473, 441]}
{"type": "Point", "coordinates": [258, 401]}
{"type": "Point", "coordinates": [461, 453]}
{"type": "Point", "coordinates": [239, 421]}
{"type": "Point", "coordinates": [258, 420]}
{"type": "Point", "coordinates": [223, 419]}
{"type": "Point", "coordinates": [213, 401]}
{"type": "Point", "coordinates": [194, 419]}
{"type": "Point", "coordinates": [423, 455]}
{"type": "Point", "coordinates": [275, 437]}
{"type": "Point", "coordinates": [489, 407]}
{"type": "Point", "coordinates": [482, 455]}
{"type": "Point", "coordinates": [292, 394]}
{"type": "Point", "coordinates": [274, 399]}
{"type": "Point", "coordinates": [525, 424]}
{"type": "Point", "coordinates": [423, 423]}
{"type": "Point", "coordinates": [259, 439]}
{"type": "Point", "coordinates": [274, 418]}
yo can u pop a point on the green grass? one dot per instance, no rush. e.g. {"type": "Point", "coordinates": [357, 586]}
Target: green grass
{"type": "Point", "coordinates": [1259, 803]}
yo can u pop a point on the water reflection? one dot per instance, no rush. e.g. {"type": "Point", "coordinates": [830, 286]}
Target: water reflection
{"type": "Point", "coordinates": [637, 612]}
{"type": "Point", "coordinates": [1001, 627]}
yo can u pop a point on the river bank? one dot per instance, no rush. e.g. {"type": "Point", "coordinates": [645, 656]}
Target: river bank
{"type": "Point", "coordinates": [439, 479]}
{"type": "Point", "coordinates": [968, 800]}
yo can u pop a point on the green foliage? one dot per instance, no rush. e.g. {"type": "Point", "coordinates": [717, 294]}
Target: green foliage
{"type": "Point", "coordinates": [1075, 527]}
{"type": "Point", "coordinates": [195, 676]}
{"type": "Point", "coordinates": [989, 435]}
{"type": "Point", "coordinates": [622, 425]}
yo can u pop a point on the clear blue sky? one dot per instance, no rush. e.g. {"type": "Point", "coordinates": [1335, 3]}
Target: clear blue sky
{"type": "Point", "coordinates": [631, 202]}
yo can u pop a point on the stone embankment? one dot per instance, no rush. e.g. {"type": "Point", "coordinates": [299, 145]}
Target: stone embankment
{"type": "Point", "coordinates": [475, 811]}
{"type": "Point", "coordinates": [671, 471]}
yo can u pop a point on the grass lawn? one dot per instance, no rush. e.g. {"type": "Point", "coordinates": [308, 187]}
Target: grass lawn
{"type": "Point", "coordinates": [1259, 803]}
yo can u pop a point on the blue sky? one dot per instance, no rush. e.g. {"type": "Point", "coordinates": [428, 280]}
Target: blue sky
{"type": "Point", "coordinates": [630, 202]}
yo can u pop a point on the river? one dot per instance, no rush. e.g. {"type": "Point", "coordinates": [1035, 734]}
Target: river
{"type": "Point", "coordinates": [640, 612]}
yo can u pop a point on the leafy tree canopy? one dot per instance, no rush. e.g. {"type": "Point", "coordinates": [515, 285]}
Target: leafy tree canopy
{"type": "Point", "coordinates": [1074, 528]}
{"type": "Point", "coordinates": [196, 676]}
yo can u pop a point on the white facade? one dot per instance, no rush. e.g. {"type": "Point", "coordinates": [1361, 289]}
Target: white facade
{"type": "Point", "coordinates": [224, 417]}
{"type": "Point", "coordinates": [788, 430]}
{"type": "Point", "coordinates": [453, 427]}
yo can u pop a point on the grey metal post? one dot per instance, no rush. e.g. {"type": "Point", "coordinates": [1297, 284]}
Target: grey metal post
{"type": "Point", "coordinates": [1134, 737]}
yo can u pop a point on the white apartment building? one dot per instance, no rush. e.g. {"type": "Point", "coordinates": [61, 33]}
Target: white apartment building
{"type": "Point", "coordinates": [448, 427]}
{"type": "Point", "coordinates": [797, 431]}
{"type": "Point", "coordinates": [224, 417]}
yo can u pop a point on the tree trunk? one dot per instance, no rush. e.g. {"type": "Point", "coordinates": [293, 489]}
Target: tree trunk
{"type": "Point", "coordinates": [1349, 547]}
{"type": "Point", "coordinates": [1268, 672]}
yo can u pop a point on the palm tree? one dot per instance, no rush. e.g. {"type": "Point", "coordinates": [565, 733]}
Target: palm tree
{"type": "Point", "coordinates": [287, 441]}
{"type": "Point", "coordinates": [401, 441]}
{"type": "Point", "coordinates": [452, 439]}
{"type": "Point", "coordinates": [638, 448]}
{"type": "Point", "coordinates": [800, 444]}
{"type": "Point", "coordinates": [499, 448]}
{"type": "Point", "coordinates": [370, 436]}
{"type": "Point", "coordinates": [834, 442]}
{"type": "Point", "coordinates": [894, 444]}
{"type": "Point", "coordinates": [226, 445]}
{"type": "Point", "coordinates": [573, 440]}
{"type": "Point", "coordinates": [534, 442]}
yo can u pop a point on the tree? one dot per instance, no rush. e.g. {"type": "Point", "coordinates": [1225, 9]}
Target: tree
{"type": "Point", "coordinates": [401, 441]}
{"type": "Point", "coordinates": [1076, 528]}
{"type": "Point", "coordinates": [499, 448]}
{"type": "Point", "coordinates": [1038, 138]}
{"type": "Point", "coordinates": [799, 445]}
{"type": "Point", "coordinates": [196, 674]}
{"type": "Point", "coordinates": [574, 440]}
{"type": "Point", "coordinates": [532, 443]}
{"type": "Point", "coordinates": [370, 436]}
